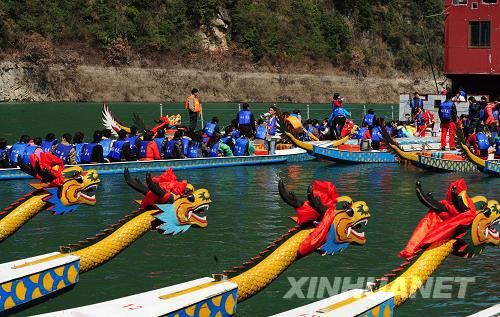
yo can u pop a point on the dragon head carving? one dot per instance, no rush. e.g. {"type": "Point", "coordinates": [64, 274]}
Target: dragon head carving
{"type": "Point", "coordinates": [456, 217]}
{"type": "Point", "coordinates": [180, 205]}
{"type": "Point", "coordinates": [68, 187]}
{"type": "Point", "coordinates": [337, 220]}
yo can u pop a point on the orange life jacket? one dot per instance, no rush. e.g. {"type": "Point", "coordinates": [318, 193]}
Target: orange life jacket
{"type": "Point", "coordinates": [197, 105]}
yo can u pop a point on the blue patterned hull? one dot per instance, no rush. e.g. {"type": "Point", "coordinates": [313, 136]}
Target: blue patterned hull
{"type": "Point", "coordinates": [443, 165]}
{"type": "Point", "coordinates": [492, 168]}
{"type": "Point", "coordinates": [184, 164]}
{"type": "Point", "coordinates": [361, 157]}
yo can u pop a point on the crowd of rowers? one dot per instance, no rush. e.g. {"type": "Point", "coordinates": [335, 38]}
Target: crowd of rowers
{"type": "Point", "coordinates": [240, 138]}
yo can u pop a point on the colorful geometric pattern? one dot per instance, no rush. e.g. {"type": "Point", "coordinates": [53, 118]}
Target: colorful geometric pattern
{"type": "Point", "coordinates": [31, 287]}
{"type": "Point", "coordinates": [446, 165]}
{"type": "Point", "coordinates": [386, 309]}
{"type": "Point", "coordinates": [162, 165]}
{"type": "Point", "coordinates": [218, 306]}
{"type": "Point", "coordinates": [492, 168]}
{"type": "Point", "coordinates": [355, 157]}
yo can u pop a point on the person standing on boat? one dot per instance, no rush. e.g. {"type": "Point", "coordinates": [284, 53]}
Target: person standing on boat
{"type": "Point", "coordinates": [4, 157]}
{"type": "Point", "coordinates": [65, 150]}
{"type": "Point", "coordinates": [448, 117]}
{"type": "Point", "coordinates": [245, 119]}
{"type": "Point", "coordinates": [489, 118]}
{"type": "Point", "coordinates": [415, 104]}
{"type": "Point", "coordinates": [193, 105]}
{"type": "Point", "coordinates": [338, 117]}
{"type": "Point", "coordinates": [369, 119]}
{"type": "Point", "coordinates": [93, 152]}
{"type": "Point", "coordinates": [474, 115]}
{"type": "Point", "coordinates": [272, 124]}
{"type": "Point", "coordinates": [120, 150]}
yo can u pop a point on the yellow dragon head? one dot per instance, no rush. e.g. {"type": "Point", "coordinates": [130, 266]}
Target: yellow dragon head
{"type": "Point", "coordinates": [483, 229]}
{"type": "Point", "coordinates": [68, 187]}
{"type": "Point", "coordinates": [337, 220]}
{"type": "Point", "coordinates": [180, 205]}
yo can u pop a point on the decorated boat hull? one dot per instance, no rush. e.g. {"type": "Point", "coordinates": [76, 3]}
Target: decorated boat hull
{"type": "Point", "coordinates": [283, 156]}
{"type": "Point", "coordinates": [445, 165]}
{"type": "Point", "coordinates": [492, 168]}
{"type": "Point", "coordinates": [361, 157]}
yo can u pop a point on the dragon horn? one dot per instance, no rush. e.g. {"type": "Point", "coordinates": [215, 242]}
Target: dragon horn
{"type": "Point", "coordinates": [28, 169]}
{"type": "Point", "coordinates": [135, 183]}
{"type": "Point", "coordinates": [315, 201]}
{"type": "Point", "coordinates": [154, 187]}
{"type": "Point", "coordinates": [428, 200]}
{"type": "Point", "coordinates": [458, 201]}
{"type": "Point", "coordinates": [288, 197]}
{"type": "Point", "coordinates": [46, 177]}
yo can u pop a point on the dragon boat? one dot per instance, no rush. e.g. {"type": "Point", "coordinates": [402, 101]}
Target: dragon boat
{"type": "Point", "coordinates": [169, 206]}
{"type": "Point", "coordinates": [452, 226]}
{"type": "Point", "coordinates": [61, 190]}
{"type": "Point", "coordinates": [326, 223]}
{"type": "Point", "coordinates": [281, 157]}
{"type": "Point", "coordinates": [443, 161]}
{"type": "Point", "coordinates": [489, 167]}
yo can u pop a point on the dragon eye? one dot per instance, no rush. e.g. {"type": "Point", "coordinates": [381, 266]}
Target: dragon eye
{"type": "Point", "coordinates": [350, 212]}
{"type": "Point", "coordinates": [191, 198]}
{"type": "Point", "coordinates": [79, 179]}
{"type": "Point", "coordinates": [487, 212]}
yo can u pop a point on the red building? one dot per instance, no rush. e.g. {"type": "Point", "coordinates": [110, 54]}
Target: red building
{"type": "Point", "coordinates": [472, 45]}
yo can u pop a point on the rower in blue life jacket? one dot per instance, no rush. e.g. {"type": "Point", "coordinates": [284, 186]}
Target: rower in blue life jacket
{"type": "Point", "coordinates": [415, 104]}
{"type": "Point", "coordinates": [244, 146]}
{"type": "Point", "coordinates": [49, 143]}
{"type": "Point", "coordinates": [217, 148]}
{"type": "Point", "coordinates": [4, 155]}
{"type": "Point", "coordinates": [18, 149]}
{"type": "Point", "coordinates": [174, 149]}
{"type": "Point", "coordinates": [93, 152]}
{"type": "Point", "coordinates": [34, 148]}
{"type": "Point", "coordinates": [120, 150]}
{"type": "Point", "coordinates": [134, 142]}
{"type": "Point", "coordinates": [212, 126]}
{"type": "Point", "coordinates": [370, 119]}
{"type": "Point", "coordinates": [228, 138]}
{"type": "Point", "coordinates": [376, 133]}
{"type": "Point", "coordinates": [197, 148]}
{"type": "Point", "coordinates": [79, 144]}
{"type": "Point", "coordinates": [245, 119]}
{"type": "Point", "coordinates": [160, 140]}
{"type": "Point", "coordinates": [65, 150]}
{"type": "Point", "coordinates": [106, 142]}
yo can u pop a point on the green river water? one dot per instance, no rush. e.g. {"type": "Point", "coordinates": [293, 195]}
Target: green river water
{"type": "Point", "coordinates": [245, 216]}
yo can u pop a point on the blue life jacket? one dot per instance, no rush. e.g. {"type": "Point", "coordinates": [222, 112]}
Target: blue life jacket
{"type": "Point", "coordinates": [224, 139]}
{"type": "Point", "coordinates": [244, 117]}
{"type": "Point", "coordinates": [260, 133]}
{"type": "Point", "coordinates": [214, 150]}
{"type": "Point", "coordinates": [78, 151]}
{"type": "Point", "coordinates": [296, 115]}
{"type": "Point", "coordinates": [376, 134]}
{"type": "Point", "coordinates": [143, 149]}
{"type": "Point", "coordinates": [2, 151]}
{"type": "Point", "coordinates": [495, 114]}
{"type": "Point", "coordinates": [481, 114]}
{"type": "Point", "coordinates": [47, 146]}
{"type": "Point", "coordinates": [482, 141]}
{"type": "Point", "coordinates": [185, 145]}
{"type": "Point", "coordinates": [235, 134]}
{"type": "Point", "coordinates": [389, 130]}
{"type": "Point", "coordinates": [169, 148]}
{"type": "Point", "coordinates": [87, 152]}
{"type": "Point", "coordinates": [106, 146]}
{"type": "Point", "coordinates": [463, 93]}
{"type": "Point", "coordinates": [116, 150]}
{"type": "Point", "coordinates": [193, 149]}
{"type": "Point", "coordinates": [159, 143]}
{"type": "Point", "coordinates": [62, 151]}
{"type": "Point", "coordinates": [420, 120]}
{"type": "Point", "coordinates": [210, 128]}
{"type": "Point", "coordinates": [30, 150]}
{"type": "Point", "coordinates": [338, 112]}
{"type": "Point", "coordinates": [361, 133]}
{"type": "Point", "coordinates": [240, 148]}
{"type": "Point", "coordinates": [369, 119]}
{"type": "Point", "coordinates": [497, 146]}
{"type": "Point", "coordinates": [273, 123]}
{"type": "Point", "coordinates": [131, 141]}
{"type": "Point", "coordinates": [445, 111]}
{"type": "Point", "coordinates": [413, 106]}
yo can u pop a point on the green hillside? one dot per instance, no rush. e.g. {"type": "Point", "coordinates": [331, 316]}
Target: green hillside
{"type": "Point", "coordinates": [357, 35]}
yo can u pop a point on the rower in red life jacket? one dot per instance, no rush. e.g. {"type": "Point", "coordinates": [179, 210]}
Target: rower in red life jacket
{"type": "Point", "coordinates": [148, 150]}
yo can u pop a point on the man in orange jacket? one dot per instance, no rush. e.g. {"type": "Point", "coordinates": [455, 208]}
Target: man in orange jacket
{"type": "Point", "coordinates": [193, 105]}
